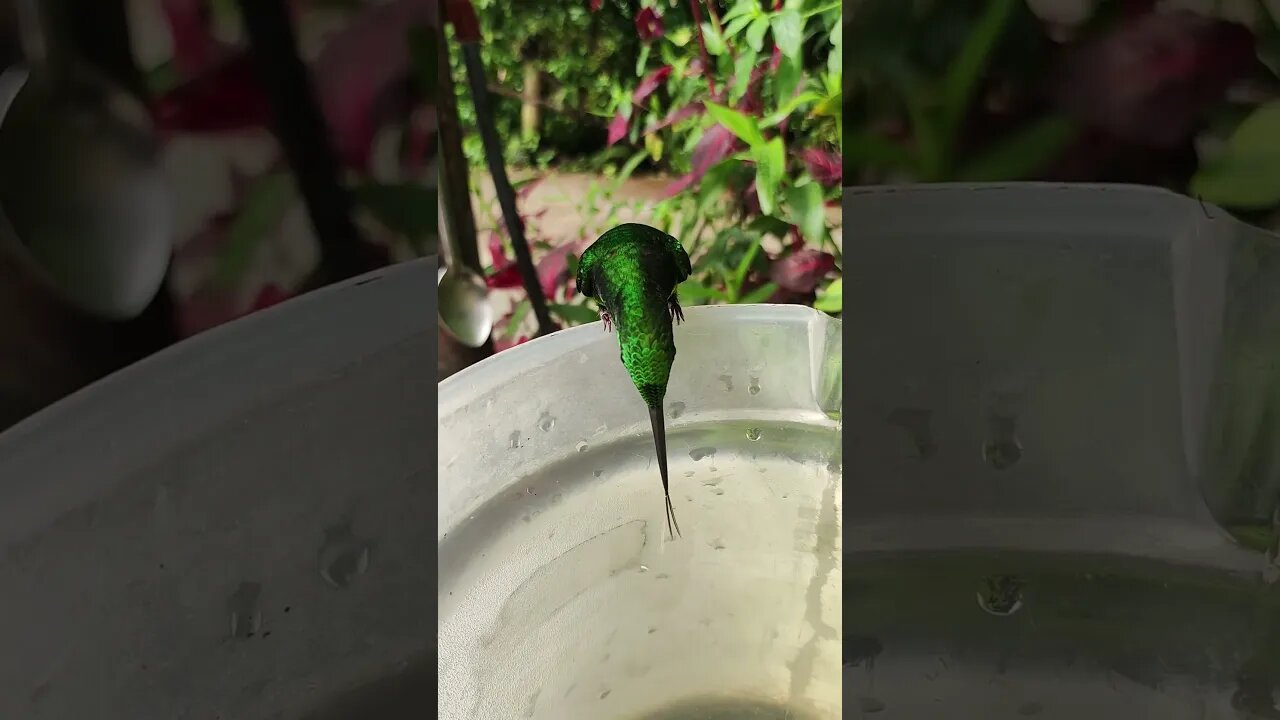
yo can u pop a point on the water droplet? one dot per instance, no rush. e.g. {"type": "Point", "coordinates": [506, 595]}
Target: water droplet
{"type": "Point", "coordinates": [557, 498]}
{"type": "Point", "coordinates": [1002, 454]}
{"type": "Point", "coordinates": [727, 380]}
{"type": "Point", "coordinates": [597, 473]}
{"type": "Point", "coordinates": [1000, 595]}
{"type": "Point", "coordinates": [546, 422]}
{"type": "Point", "coordinates": [702, 452]}
{"type": "Point", "coordinates": [581, 446]}
{"type": "Point", "coordinates": [754, 386]}
{"type": "Point", "coordinates": [677, 409]}
{"type": "Point", "coordinates": [644, 568]}
{"type": "Point", "coordinates": [753, 434]}
{"type": "Point", "coordinates": [605, 694]}
{"type": "Point", "coordinates": [717, 491]}
{"type": "Point", "coordinates": [343, 557]}
{"type": "Point", "coordinates": [513, 440]}
{"type": "Point", "coordinates": [688, 473]}
{"type": "Point", "coordinates": [718, 544]}
{"type": "Point", "coordinates": [582, 358]}
{"type": "Point", "coordinates": [662, 576]}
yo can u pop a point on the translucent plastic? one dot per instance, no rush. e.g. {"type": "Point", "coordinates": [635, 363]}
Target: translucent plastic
{"type": "Point", "coordinates": [561, 594]}
{"type": "Point", "coordinates": [1065, 401]}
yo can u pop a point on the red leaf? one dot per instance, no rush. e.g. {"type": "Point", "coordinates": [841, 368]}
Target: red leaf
{"type": "Point", "coordinates": [824, 165]}
{"type": "Point", "coordinates": [716, 144]}
{"type": "Point", "coordinates": [617, 128]}
{"type": "Point", "coordinates": [225, 99]}
{"type": "Point", "coordinates": [650, 83]}
{"type": "Point", "coordinates": [1149, 81]}
{"type": "Point", "coordinates": [504, 279]}
{"type": "Point", "coordinates": [800, 271]}
{"type": "Point", "coordinates": [362, 67]}
{"type": "Point", "coordinates": [676, 116]}
{"type": "Point", "coordinates": [594, 5]}
{"type": "Point", "coordinates": [553, 270]}
{"type": "Point", "coordinates": [194, 46]}
{"type": "Point", "coordinates": [649, 25]}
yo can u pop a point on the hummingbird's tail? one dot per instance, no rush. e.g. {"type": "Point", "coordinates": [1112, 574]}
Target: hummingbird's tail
{"type": "Point", "coordinates": [660, 443]}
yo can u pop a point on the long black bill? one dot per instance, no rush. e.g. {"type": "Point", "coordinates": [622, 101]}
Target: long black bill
{"type": "Point", "coordinates": [660, 444]}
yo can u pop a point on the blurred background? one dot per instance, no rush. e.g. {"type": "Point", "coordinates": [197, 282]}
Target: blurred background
{"type": "Point", "coordinates": [718, 121]}
{"type": "Point", "coordinates": [1182, 94]}
{"type": "Point", "coordinates": [297, 147]}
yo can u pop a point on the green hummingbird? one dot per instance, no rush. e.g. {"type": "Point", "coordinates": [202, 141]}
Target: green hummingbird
{"type": "Point", "coordinates": [632, 272]}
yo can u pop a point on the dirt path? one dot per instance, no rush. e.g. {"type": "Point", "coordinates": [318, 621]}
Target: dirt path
{"type": "Point", "coordinates": [557, 203]}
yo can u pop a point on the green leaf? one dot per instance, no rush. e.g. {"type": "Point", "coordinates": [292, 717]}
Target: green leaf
{"type": "Point", "coordinates": [788, 31]}
{"type": "Point", "coordinates": [642, 60]}
{"type": "Point", "coordinates": [1022, 154]}
{"type": "Point", "coordinates": [755, 32]}
{"type": "Point", "coordinates": [713, 41]}
{"type": "Point", "coordinates": [967, 68]}
{"type": "Point", "coordinates": [788, 76]}
{"type": "Point", "coordinates": [517, 316]}
{"type": "Point", "coordinates": [807, 211]}
{"type": "Point", "coordinates": [770, 165]}
{"type": "Point", "coordinates": [680, 36]}
{"type": "Point", "coordinates": [742, 74]}
{"type": "Point", "coordinates": [573, 314]}
{"type": "Point", "coordinates": [743, 126]}
{"type": "Point", "coordinates": [265, 204]}
{"type": "Point", "coordinates": [1247, 174]}
{"type": "Point", "coordinates": [760, 294]}
{"type": "Point", "coordinates": [405, 208]}
{"type": "Point", "coordinates": [789, 107]}
{"type": "Point", "coordinates": [742, 8]}
{"type": "Point", "coordinates": [744, 267]}
{"type": "Point", "coordinates": [696, 292]}
{"type": "Point", "coordinates": [734, 26]}
{"type": "Point", "coordinates": [830, 300]}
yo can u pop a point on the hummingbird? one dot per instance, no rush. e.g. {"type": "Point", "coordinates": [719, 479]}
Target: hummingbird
{"type": "Point", "coordinates": [632, 272]}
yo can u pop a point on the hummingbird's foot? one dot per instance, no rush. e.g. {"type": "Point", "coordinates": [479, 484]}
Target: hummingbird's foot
{"type": "Point", "coordinates": [606, 319]}
{"type": "Point", "coordinates": [677, 315]}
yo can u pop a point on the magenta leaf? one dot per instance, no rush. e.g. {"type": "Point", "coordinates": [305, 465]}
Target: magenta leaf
{"type": "Point", "coordinates": [801, 271]}
{"type": "Point", "coordinates": [617, 128]}
{"type": "Point", "coordinates": [676, 116]}
{"type": "Point", "coordinates": [225, 99]}
{"type": "Point", "coordinates": [716, 144]}
{"type": "Point", "coordinates": [650, 83]}
{"type": "Point", "coordinates": [1150, 80]}
{"type": "Point", "coordinates": [362, 74]}
{"type": "Point", "coordinates": [194, 46]}
{"type": "Point", "coordinates": [825, 166]}
{"type": "Point", "coordinates": [553, 270]}
{"type": "Point", "coordinates": [649, 25]}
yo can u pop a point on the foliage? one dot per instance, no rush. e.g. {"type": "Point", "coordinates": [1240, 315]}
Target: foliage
{"type": "Point", "coordinates": [743, 104]}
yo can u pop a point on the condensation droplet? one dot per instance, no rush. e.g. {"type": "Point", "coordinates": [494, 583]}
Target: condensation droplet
{"type": "Point", "coordinates": [546, 422]}
{"type": "Point", "coordinates": [753, 434]}
{"type": "Point", "coordinates": [727, 380]}
{"type": "Point", "coordinates": [677, 409]}
{"type": "Point", "coordinates": [699, 453]}
{"type": "Point", "coordinates": [644, 568]}
{"type": "Point", "coordinates": [754, 386]}
{"type": "Point", "coordinates": [581, 446]}
{"type": "Point", "coordinates": [597, 473]}
{"type": "Point", "coordinates": [513, 440]}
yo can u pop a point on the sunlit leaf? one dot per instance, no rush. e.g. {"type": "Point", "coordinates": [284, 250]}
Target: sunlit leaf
{"type": "Point", "coordinates": [743, 126]}
{"type": "Point", "coordinates": [831, 299]}
{"type": "Point", "coordinates": [1247, 173]}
